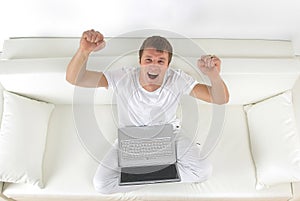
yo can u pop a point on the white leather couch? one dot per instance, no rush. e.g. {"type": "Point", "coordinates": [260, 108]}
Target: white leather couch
{"type": "Point", "coordinates": [253, 70]}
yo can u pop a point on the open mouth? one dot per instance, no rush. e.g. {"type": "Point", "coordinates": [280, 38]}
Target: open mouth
{"type": "Point", "coordinates": [152, 75]}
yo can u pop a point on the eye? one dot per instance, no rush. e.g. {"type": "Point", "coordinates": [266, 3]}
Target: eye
{"type": "Point", "coordinates": [148, 60]}
{"type": "Point", "coordinates": [161, 62]}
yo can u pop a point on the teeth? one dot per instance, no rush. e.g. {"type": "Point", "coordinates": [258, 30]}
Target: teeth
{"type": "Point", "coordinates": [152, 74]}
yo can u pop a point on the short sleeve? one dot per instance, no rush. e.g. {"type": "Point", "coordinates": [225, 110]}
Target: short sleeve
{"type": "Point", "coordinates": [186, 82]}
{"type": "Point", "coordinates": [114, 76]}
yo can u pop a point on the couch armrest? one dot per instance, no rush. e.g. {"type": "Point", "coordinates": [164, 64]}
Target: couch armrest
{"type": "Point", "coordinates": [296, 191]}
{"type": "Point", "coordinates": [3, 197]}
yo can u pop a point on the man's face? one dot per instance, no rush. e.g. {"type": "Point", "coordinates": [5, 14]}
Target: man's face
{"type": "Point", "coordinates": [154, 65]}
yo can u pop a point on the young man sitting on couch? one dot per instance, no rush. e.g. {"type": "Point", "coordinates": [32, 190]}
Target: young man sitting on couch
{"type": "Point", "coordinates": [137, 89]}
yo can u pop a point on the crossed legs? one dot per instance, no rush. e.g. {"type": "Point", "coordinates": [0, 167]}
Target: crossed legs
{"type": "Point", "coordinates": [191, 168]}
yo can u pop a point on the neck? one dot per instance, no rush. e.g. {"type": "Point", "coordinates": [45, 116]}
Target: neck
{"type": "Point", "coordinates": [151, 88]}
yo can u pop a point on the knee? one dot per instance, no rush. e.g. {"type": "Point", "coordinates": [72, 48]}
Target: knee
{"type": "Point", "coordinates": [101, 186]}
{"type": "Point", "coordinates": [101, 182]}
{"type": "Point", "coordinates": [208, 171]}
{"type": "Point", "coordinates": [205, 172]}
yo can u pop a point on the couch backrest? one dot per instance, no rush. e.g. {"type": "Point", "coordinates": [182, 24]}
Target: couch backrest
{"type": "Point", "coordinates": [252, 69]}
{"type": "Point", "coordinates": [296, 101]}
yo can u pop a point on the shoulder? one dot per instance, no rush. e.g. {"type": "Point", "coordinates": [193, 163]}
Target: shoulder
{"type": "Point", "coordinates": [116, 77]}
{"type": "Point", "coordinates": [120, 71]}
{"type": "Point", "coordinates": [174, 72]}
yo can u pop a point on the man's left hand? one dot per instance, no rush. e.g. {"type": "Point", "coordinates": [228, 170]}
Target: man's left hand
{"type": "Point", "coordinates": [210, 65]}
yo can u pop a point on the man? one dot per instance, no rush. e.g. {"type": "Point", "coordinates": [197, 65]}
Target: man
{"type": "Point", "coordinates": [149, 95]}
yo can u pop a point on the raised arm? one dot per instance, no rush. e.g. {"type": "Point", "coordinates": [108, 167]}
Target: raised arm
{"type": "Point", "coordinates": [76, 73]}
{"type": "Point", "coordinates": [216, 93]}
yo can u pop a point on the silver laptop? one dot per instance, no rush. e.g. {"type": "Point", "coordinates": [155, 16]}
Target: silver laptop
{"type": "Point", "coordinates": [147, 154]}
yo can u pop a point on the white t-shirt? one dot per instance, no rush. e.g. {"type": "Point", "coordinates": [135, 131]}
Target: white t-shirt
{"type": "Point", "coordinates": [139, 107]}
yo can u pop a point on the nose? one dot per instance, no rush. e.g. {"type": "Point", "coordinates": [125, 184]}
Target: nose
{"type": "Point", "coordinates": [154, 68]}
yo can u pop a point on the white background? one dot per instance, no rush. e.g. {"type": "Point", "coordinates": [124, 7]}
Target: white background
{"type": "Point", "coordinates": [241, 19]}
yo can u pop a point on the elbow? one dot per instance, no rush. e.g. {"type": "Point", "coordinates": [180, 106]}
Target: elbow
{"type": "Point", "coordinates": [227, 98]}
{"type": "Point", "coordinates": [221, 102]}
{"type": "Point", "coordinates": [224, 101]}
{"type": "Point", "coordinates": [71, 79]}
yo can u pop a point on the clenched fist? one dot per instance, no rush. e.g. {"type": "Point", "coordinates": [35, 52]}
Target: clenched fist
{"type": "Point", "coordinates": [209, 65]}
{"type": "Point", "coordinates": [92, 41]}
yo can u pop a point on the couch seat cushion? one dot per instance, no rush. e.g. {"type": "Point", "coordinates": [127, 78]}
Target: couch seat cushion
{"type": "Point", "coordinates": [69, 168]}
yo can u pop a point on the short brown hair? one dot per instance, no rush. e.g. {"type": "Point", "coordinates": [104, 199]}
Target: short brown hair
{"type": "Point", "coordinates": [159, 43]}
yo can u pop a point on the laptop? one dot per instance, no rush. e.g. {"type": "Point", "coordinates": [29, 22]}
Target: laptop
{"type": "Point", "coordinates": [147, 155]}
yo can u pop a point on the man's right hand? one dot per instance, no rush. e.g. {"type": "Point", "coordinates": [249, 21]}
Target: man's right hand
{"type": "Point", "coordinates": [91, 41]}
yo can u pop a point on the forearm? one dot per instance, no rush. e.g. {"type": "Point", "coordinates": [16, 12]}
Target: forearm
{"type": "Point", "coordinates": [77, 66]}
{"type": "Point", "coordinates": [218, 91]}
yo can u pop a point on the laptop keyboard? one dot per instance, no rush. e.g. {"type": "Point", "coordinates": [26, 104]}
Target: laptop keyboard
{"type": "Point", "coordinates": [144, 148]}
